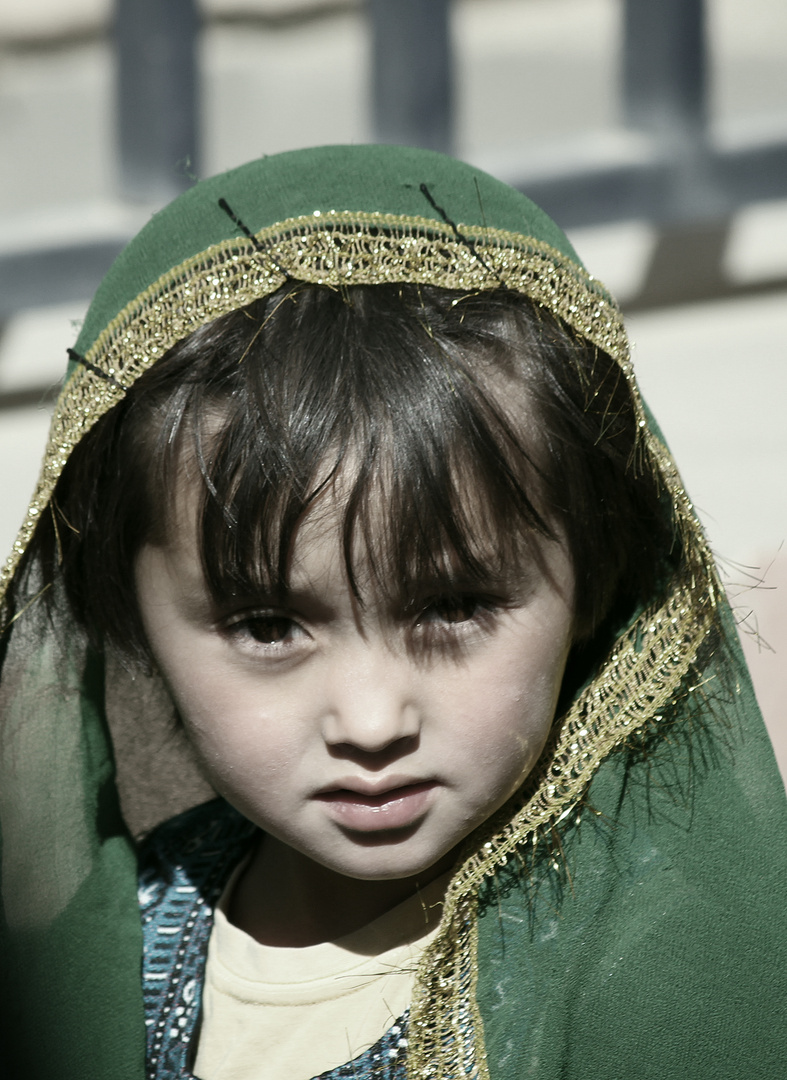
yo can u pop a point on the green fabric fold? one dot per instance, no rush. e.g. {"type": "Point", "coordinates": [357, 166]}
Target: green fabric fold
{"type": "Point", "coordinates": [72, 941]}
{"type": "Point", "coordinates": [663, 953]}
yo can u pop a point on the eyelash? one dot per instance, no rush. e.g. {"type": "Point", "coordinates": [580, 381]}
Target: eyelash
{"type": "Point", "coordinates": [435, 624]}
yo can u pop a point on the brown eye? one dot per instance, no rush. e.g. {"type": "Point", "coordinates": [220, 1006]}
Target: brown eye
{"type": "Point", "coordinates": [264, 629]}
{"type": "Point", "coordinates": [451, 609]}
{"type": "Point", "coordinates": [269, 631]}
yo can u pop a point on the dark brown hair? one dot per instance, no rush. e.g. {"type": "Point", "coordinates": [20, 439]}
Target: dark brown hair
{"type": "Point", "coordinates": [439, 409]}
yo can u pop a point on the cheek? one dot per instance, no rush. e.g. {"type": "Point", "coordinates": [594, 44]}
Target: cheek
{"type": "Point", "coordinates": [506, 730]}
{"type": "Point", "coordinates": [502, 713]}
{"type": "Point", "coordinates": [235, 729]}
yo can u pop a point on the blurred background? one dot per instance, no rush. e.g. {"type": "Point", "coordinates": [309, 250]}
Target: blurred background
{"type": "Point", "coordinates": [655, 133]}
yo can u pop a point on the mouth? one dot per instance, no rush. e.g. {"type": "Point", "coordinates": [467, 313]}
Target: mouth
{"type": "Point", "coordinates": [368, 807]}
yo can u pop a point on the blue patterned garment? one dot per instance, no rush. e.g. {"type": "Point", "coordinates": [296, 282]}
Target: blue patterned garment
{"type": "Point", "coordinates": [184, 867]}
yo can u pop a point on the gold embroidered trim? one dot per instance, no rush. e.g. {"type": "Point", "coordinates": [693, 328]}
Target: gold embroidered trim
{"type": "Point", "coordinates": [445, 1030]}
{"type": "Point", "coordinates": [647, 665]}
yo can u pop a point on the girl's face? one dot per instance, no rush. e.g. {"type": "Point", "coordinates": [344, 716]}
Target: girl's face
{"type": "Point", "coordinates": [368, 738]}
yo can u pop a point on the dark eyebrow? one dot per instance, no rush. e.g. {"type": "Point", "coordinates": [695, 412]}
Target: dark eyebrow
{"type": "Point", "coordinates": [248, 594]}
{"type": "Point", "coordinates": [493, 580]}
{"type": "Point", "coordinates": [282, 596]}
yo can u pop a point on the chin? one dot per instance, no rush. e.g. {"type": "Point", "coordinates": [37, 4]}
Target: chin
{"type": "Point", "coordinates": [378, 859]}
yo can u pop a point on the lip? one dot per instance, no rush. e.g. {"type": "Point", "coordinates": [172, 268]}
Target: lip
{"type": "Point", "coordinates": [369, 806]}
{"type": "Point", "coordinates": [370, 785]}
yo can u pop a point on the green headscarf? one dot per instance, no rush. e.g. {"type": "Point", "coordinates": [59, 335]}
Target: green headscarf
{"type": "Point", "coordinates": [621, 916]}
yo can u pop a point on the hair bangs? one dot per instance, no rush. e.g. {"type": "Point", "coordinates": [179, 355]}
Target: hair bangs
{"type": "Point", "coordinates": [434, 482]}
{"type": "Point", "coordinates": [457, 430]}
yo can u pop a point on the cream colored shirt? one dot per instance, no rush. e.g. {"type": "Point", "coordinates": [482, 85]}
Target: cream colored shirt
{"type": "Point", "coordinates": [292, 1013]}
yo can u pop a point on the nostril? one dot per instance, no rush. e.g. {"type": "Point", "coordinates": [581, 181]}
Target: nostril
{"type": "Point", "coordinates": [377, 758]}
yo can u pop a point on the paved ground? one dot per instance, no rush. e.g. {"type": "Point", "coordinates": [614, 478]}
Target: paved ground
{"type": "Point", "coordinates": [715, 373]}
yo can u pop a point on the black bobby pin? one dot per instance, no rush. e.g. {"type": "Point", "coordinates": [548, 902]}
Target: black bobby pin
{"type": "Point", "coordinates": [74, 355]}
{"type": "Point", "coordinates": [480, 200]}
{"type": "Point", "coordinates": [460, 235]}
{"type": "Point", "coordinates": [258, 247]}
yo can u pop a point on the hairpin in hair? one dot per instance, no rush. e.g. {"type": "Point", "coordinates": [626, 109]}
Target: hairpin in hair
{"type": "Point", "coordinates": [258, 247]}
{"type": "Point", "coordinates": [74, 355]}
{"type": "Point", "coordinates": [459, 234]}
{"type": "Point", "coordinates": [480, 200]}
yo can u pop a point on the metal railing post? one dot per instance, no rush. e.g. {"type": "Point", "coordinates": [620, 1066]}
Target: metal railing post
{"type": "Point", "coordinates": [412, 72]}
{"type": "Point", "coordinates": [665, 84]}
{"type": "Point", "coordinates": [665, 65]}
{"type": "Point", "coordinates": [157, 94]}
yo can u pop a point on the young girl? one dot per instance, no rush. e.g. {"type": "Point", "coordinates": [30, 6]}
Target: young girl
{"type": "Point", "coordinates": [350, 475]}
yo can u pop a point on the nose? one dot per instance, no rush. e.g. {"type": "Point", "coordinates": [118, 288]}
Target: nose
{"type": "Point", "coordinates": [373, 701]}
